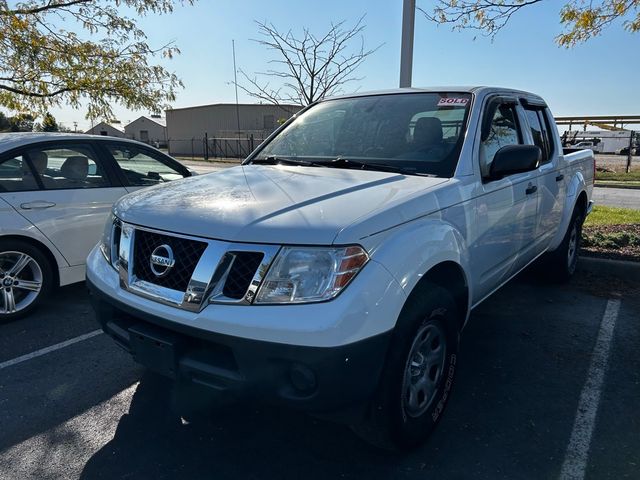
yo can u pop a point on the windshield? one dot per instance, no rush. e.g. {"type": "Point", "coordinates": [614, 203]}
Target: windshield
{"type": "Point", "coordinates": [415, 133]}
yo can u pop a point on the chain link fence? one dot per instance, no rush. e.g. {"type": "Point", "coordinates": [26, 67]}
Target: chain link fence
{"type": "Point", "coordinates": [214, 147]}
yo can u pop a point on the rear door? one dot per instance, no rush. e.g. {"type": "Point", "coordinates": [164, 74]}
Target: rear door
{"type": "Point", "coordinates": [66, 190]}
{"type": "Point", "coordinates": [506, 208]}
{"type": "Point", "coordinates": [551, 181]}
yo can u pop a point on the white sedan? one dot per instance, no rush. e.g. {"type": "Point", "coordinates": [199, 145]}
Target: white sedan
{"type": "Point", "coordinates": [56, 191]}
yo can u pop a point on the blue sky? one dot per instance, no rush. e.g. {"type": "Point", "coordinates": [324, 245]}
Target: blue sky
{"type": "Point", "coordinates": [599, 77]}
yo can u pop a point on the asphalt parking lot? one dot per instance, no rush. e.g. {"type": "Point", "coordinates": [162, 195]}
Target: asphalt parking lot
{"type": "Point", "coordinates": [548, 386]}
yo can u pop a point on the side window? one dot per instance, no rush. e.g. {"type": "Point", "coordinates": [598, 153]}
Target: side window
{"type": "Point", "coordinates": [16, 175]}
{"type": "Point", "coordinates": [546, 131]}
{"type": "Point", "coordinates": [503, 130]}
{"type": "Point", "coordinates": [142, 167]}
{"type": "Point", "coordinates": [67, 166]}
{"type": "Point", "coordinates": [538, 133]}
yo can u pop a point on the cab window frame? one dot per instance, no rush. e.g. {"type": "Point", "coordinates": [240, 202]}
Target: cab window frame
{"type": "Point", "coordinates": [491, 105]}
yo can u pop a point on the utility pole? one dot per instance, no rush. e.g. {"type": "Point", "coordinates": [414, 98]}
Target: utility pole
{"type": "Point", "coordinates": [235, 82]}
{"type": "Point", "coordinates": [629, 154]}
{"type": "Point", "coordinates": [406, 49]}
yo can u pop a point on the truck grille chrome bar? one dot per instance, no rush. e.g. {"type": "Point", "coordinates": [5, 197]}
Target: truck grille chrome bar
{"type": "Point", "coordinates": [189, 272]}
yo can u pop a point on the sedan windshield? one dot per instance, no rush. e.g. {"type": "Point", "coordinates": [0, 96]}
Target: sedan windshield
{"type": "Point", "coordinates": [413, 133]}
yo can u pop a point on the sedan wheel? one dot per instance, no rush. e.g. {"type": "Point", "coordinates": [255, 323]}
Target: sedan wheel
{"type": "Point", "coordinates": [26, 277]}
{"type": "Point", "coordinates": [20, 280]}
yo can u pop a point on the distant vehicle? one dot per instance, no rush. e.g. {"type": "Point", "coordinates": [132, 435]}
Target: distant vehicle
{"type": "Point", "coordinates": [595, 146]}
{"type": "Point", "coordinates": [625, 151]}
{"type": "Point", "coordinates": [334, 270]}
{"type": "Point", "coordinates": [56, 191]}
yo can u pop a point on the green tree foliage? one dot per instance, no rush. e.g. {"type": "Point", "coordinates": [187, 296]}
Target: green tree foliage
{"type": "Point", "coordinates": [5, 126]}
{"type": "Point", "coordinates": [23, 122]}
{"type": "Point", "coordinates": [82, 53]}
{"type": "Point", "coordinates": [580, 19]}
{"type": "Point", "coordinates": [49, 123]}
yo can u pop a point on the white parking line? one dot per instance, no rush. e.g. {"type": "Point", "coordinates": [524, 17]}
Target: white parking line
{"type": "Point", "coordinates": [575, 460]}
{"type": "Point", "coordinates": [52, 348]}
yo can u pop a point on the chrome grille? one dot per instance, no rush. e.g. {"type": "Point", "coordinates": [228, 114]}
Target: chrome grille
{"type": "Point", "coordinates": [205, 271]}
{"type": "Point", "coordinates": [243, 269]}
{"type": "Point", "coordinates": [187, 254]}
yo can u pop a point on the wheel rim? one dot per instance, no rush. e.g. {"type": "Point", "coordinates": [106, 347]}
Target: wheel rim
{"type": "Point", "coordinates": [20, 281]}
{"type": "Point", "coordinates": [573, 246]}
{"type": "Point", "coordinates": [424, 369]}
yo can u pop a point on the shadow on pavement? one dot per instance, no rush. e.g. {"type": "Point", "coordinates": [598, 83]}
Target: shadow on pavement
{"type": "Point", "coordinates": [151, 441]}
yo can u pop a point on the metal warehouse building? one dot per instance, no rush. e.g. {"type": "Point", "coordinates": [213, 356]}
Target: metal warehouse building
{"type": "Point", "coordinates": [212, 130]}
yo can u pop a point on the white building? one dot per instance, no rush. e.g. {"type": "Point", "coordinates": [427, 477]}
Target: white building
{"type": "Point", "coordinates": [151, 129]}
{"type": "Point", "coordinates": [105, 129]}
{"type": "Point", "coordinates": [213, 129]}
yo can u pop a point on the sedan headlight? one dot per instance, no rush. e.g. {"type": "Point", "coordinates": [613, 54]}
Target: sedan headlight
{"type": "Point", "coordinates": [110, 239]}
{"type": "Point", "coordinates": [310, 274]}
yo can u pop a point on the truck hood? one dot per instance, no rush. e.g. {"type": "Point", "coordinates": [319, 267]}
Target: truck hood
{"type": "Point", "coordinates": [273, 204]}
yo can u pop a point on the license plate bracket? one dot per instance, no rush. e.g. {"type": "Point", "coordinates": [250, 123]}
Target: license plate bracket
{"type": "Point", "coordinates": [155, 350]}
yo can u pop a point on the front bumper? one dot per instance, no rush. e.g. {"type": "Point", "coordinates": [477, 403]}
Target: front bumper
{"type": "Point", "coordinates": [320, 380]}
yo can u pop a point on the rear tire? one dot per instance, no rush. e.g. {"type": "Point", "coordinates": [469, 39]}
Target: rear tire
{"type": "Point", "coordinates": [418, 375]}
{"type": "Point", "coordinates": [26, 278]}
{"type": "Point", "coordinates": [562, 262]}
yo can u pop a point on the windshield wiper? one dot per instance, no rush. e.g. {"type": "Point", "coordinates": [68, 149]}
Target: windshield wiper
{"type": "Point", "coordinates": [342, 162]}
{"type": "Point", "coordinates": [276, 160]}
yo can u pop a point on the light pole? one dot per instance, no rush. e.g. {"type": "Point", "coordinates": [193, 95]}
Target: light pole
{"type": "Point", "coordinates": [406, 49]}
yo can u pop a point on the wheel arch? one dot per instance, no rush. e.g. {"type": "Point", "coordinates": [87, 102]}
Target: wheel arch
{"type": "Point", "coordinates": [46, 251]}
{"type": "Point", "coordinates": [450, 276]}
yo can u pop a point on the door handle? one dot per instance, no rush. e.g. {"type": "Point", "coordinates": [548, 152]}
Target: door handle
{"type": "Point", "coordinates": [531, 189]}
{"type": "Point", "coordinates": [559, 178]}
{"type": "Point", "coordinates": [37, 205]}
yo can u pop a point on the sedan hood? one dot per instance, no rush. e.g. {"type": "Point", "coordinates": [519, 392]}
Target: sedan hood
{"type": "Point", "coordinates": [271, 204]}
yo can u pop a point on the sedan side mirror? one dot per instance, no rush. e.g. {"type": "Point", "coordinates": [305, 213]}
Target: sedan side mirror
{"type": "Point", "coordinates": [515, 159]}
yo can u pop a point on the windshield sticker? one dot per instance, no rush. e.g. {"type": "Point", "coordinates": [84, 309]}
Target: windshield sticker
{"type": "Point", "coordinates": [453, 102]}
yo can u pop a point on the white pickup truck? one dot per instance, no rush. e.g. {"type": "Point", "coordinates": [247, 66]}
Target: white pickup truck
{"type": "Point", "coordinates": [334, 270]}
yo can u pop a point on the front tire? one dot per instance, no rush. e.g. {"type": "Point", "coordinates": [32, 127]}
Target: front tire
{"type": "Point", "coordinates": [26, 278]}
{"type": "Point", "coordinates": [418, 374]}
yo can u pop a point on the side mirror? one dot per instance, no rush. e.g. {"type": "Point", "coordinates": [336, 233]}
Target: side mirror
{"type": "Point", "coordinates": [515, 159]}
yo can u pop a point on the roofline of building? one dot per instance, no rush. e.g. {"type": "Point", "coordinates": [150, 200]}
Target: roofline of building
{"type": "Point", "coordinates": [233, 105]}
{"type": "Point", "coordinates": [154, 120]}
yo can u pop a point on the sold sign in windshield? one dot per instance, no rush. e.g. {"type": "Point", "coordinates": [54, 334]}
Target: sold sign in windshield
{"type": "Point", "coordinates": [453, 102]}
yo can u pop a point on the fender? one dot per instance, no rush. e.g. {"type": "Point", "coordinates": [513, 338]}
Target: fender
{"type": "Point", "coordinates": [409, 252]}
{"type": "Point", "coordinates": [575, 187]}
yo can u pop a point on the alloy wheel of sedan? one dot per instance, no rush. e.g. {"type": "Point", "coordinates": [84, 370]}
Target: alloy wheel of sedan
{"type": "Point", "coordinates": [21, 280]}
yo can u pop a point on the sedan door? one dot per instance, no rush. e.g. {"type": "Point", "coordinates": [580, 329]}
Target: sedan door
{"type": "Point", "coordinates": [67, 192]}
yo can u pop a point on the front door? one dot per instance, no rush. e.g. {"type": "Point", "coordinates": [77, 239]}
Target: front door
{"type": "Point", "coordinates": [506, 208]}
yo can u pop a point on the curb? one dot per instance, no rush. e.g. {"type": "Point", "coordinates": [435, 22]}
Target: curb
{"type": "Point", "coordinates": [623, 269]}
{"type": "Point", "coordinates": [628, 187]}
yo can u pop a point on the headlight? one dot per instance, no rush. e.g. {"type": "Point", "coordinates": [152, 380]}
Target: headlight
{"type": "Point", "coordinates": [110, 239]}
{"type": "Point", "coordinates": [310, 274]}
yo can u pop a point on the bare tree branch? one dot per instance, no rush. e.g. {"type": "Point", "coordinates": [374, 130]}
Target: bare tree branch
{"type": "Point", "coordinates": [488, 16]}
{"type": "Point", "coordinates": [310, 67]}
